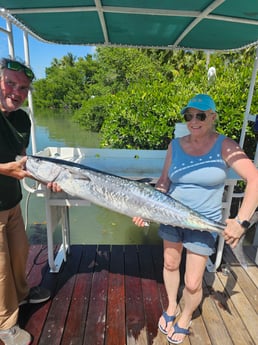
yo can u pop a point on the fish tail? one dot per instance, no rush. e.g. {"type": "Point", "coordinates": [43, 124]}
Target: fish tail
{"type": "Point", "coordinates": [239, 253]}
{"type": "Point", "coordinates": [239, 249]}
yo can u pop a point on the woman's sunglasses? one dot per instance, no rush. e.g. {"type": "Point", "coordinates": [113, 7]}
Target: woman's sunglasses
{"type": "Point", "coordinates": [16, 66]}
{"type": "Point", "coordinates": [199, 116]}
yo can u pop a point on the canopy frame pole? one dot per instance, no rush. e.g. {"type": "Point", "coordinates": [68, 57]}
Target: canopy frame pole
{"type": "Point", "coordinates": [248, 116]}
{"type": "Point", "coordinates": [9, 32]}
{"type": "Point", "coordinates": [11, 51]}
{"type": "Point", "coordinates": [30, 101]}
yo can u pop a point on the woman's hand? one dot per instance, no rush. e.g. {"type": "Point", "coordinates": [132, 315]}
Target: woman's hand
{"type": "Point", "coordinates": [54, 187]}
{"type": "Point", "coordinates": [140, 222]}
{"type": "Point", "coordinates": [233, 232]}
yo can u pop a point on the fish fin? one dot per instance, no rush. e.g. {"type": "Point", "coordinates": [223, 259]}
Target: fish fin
{"type": "Point", "coordinates": [239, 249]}
{"type": "Point", "coordinates": [239, 253]}
{"type": "Point", "coordinates": [254, 219]}
{"type": "Point", "coordinates": [146, 180]}
{"type": "Point", "coordinates": [78, 176]}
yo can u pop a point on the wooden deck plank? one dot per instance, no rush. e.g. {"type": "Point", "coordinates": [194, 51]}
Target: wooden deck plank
{"type": "Point", "coordinates": [151, 300]}
{"type": "Point", "coordinates": [157, 254]}
{"type": "Point", "coordinates": [251, 269]}
{"type": "Point", "coordinates": [198, 332]}
{"type": "Point", "coordinates": [115, 325]}
{"type": "Point", "coordinates": [135, 319]}
{"type": "Point", "coordinates": [247, 278]}
{"type": "Point", "coordinates": [77, 314]}
{"type": "Point", "coordinates": [54, 325]}
{"type": "Point", "coordinates": [33, 317]}
{"type": "Point", "coordinates": [114, 295]}
{"type": "Point", "coordinates": [157, 258]}
{"type": "Point", "coordinates": [36, 265]}
{"type": "Point", "coordinates": [227, 311]}
{"type": "Point", "coordinates": [96, 320]}
{"type": "Point", "coordinates": [245, 293]}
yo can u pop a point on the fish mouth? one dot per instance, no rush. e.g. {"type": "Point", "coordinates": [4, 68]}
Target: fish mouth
{"type": "Point", "coordinates": [41, 170]}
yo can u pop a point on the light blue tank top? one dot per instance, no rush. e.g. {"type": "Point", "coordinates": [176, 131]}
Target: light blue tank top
{"type": "Point", "coordinates": [198, 181]}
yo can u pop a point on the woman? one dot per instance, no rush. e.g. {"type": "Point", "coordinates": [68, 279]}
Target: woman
{"type": "Point", "coordinates": [194, 173]}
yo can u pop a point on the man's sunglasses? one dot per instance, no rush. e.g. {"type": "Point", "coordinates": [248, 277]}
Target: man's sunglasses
{"type": "Point", "coordinates": [16, 66]}
{"type": "Point", "coordinates": [199, 116]}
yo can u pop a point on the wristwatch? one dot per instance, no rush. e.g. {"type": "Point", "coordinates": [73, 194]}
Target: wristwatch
{"type": "Point", "coordinates": [244, 223]}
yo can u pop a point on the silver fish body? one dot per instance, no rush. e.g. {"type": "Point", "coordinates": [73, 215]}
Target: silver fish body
{"type": "Point", "coordinates": [125, 196]}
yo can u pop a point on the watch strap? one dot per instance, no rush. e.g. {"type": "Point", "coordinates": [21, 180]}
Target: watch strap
{"type": "Point", "coordinates": [244, 223]}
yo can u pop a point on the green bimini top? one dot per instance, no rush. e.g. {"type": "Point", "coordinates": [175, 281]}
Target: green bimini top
{"type": "Point", "coordinates": [219, 25]}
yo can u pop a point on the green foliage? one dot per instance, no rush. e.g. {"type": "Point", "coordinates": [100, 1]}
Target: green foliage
{"type": "Point", "coordinates": [67, 83]}
{"type": "Point", "coordinates": [143, 121]}
{"type": "Point", "coordinates": [92, 113]}
{"type": "Point", "coordinates": [230, 93]}
{"type": "Point", "coordinates": [134, 96]}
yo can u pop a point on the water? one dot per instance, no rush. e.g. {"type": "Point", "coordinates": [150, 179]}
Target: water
{"type": "Point", "coordinates": [89, 224]}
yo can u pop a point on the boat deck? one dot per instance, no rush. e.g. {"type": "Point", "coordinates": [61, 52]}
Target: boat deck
{"type": "Point", "coordinates": [114, 295]}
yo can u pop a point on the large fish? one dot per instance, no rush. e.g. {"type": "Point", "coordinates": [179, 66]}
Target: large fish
{"type": "Point", "coordinates": [125, 196]}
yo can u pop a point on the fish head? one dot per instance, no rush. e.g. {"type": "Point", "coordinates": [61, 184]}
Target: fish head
{"type": "Point", "coordinates": [42, 170]}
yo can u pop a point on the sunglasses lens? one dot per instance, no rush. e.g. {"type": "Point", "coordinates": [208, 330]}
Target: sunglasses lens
{"type": "Point", "coordinates": [16, 66]}
{"type": "Point", "coordinates": [29, 73]}
{"type": "Point", "coordinates": [200, 116]}
{"type": "Point", "coordinates": [188, 117]}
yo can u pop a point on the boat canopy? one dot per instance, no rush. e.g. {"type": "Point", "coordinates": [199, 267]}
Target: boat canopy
{"type": "Point", "coordinates": [211, 25]}
{"type": "Point", "coordinates": [167, 24]}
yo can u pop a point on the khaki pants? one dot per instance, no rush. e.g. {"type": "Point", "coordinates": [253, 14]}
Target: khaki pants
{"type": "Point", "coordinates": [13, 257]}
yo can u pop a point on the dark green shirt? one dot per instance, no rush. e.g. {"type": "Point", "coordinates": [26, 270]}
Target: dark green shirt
{"type": "Point", "coordinates": [14, 139]}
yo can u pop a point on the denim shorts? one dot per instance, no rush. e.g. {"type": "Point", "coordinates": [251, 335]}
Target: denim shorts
{"type": "Point", "coordinates": [198, 242]}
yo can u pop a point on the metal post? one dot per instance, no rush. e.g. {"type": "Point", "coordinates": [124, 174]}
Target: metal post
{"type": "Point", "coordinates": [30, 102]}
{"type": "Point", "coordinates": [10, 38]}
{"type": "Point", "coordinates": [249, 100]}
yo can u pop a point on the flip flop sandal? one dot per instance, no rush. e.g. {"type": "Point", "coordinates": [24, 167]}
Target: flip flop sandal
{"type": "Point", "coordinates": [168, 319]}
{"type": "Point", "coordinates": [178, 330]}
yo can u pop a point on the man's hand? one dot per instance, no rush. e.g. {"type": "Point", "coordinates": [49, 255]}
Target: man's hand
{"type": "Point", "coordinates": [15, 169]}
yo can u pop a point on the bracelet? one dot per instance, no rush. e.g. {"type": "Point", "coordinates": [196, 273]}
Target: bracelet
{"type": "Point", "coordinates": [237, 219]}
{"type": "Point", "coordinates": [161, 188]}
{"type": "Point", "coordinates": [244, 223]}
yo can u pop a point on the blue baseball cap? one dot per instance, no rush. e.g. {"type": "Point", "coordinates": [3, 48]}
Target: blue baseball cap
{"type": "Point", "coordinates": [201, 102]}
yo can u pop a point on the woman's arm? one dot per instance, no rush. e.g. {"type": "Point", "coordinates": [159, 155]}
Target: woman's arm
{"type": "Point", "coordinates": [244, 167]}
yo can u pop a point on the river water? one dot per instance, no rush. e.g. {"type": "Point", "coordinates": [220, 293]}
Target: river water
{"type": "Point", "coordinates": [88, 224]}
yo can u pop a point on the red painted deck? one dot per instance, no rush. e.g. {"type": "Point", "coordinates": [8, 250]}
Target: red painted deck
{"type": "Point", "coordinates": [114, 295]}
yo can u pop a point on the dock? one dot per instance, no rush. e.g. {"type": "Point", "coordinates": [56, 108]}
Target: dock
{"type": "Point", "coordinates": [114, 295]}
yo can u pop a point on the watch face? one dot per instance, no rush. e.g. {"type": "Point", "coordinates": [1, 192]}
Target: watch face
{"type": "Point", "coordinates": [245, 224]}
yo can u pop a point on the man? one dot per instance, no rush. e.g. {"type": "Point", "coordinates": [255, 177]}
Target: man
{"type": "Point", "coordinates": [15, 82]}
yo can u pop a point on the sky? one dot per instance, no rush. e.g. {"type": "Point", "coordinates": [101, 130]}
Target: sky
{"type": "Point", "coordinates": [41, 54]}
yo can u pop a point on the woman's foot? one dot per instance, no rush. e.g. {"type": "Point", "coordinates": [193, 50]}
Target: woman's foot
{"type": "Point", "coordinates": [163, 326]}
{"type": "Point", "coordinates": [178, 334]}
